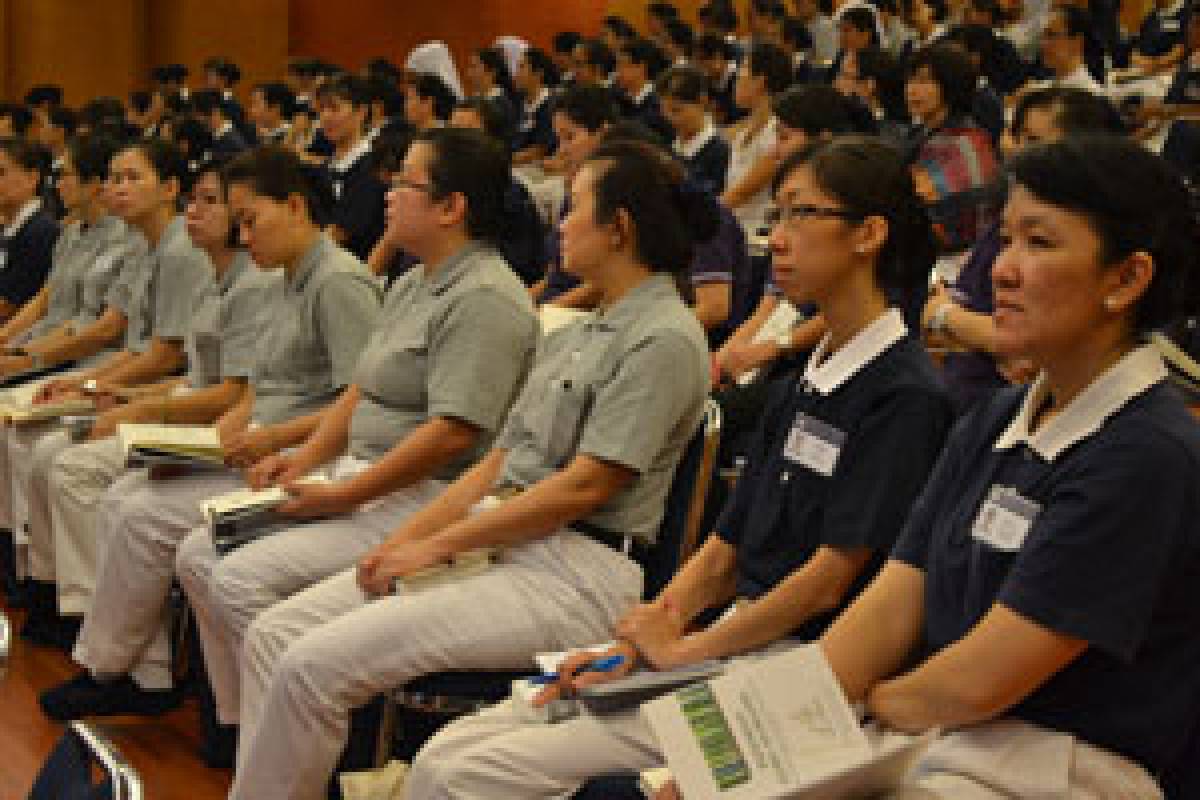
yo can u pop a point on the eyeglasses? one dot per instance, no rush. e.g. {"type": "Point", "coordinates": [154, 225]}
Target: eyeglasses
{"type": "Point", "coordinates": [779, 215]}
{"type": "Point", "coordinates": [404, 183]}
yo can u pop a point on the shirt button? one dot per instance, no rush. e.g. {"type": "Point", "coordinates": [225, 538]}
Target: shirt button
{"type": "Point", "coordinates": [784, 477]}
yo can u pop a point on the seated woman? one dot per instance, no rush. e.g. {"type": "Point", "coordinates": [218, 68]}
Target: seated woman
{"type": "Point", "coordinates": [959, 314]}
{"type": "Point", "coordinates": [86, 260]}
{"type": "Point", "coordinates": [953, 158]}
{"type": "Point", "coordinates": [801, 536]}
{"type": "Point", "coordinates": [432, 388]}
{"type": "Point", "coordinates": [570, 496]}
{"type": "Point", "coordinates": [29, 231]}
{"type": "Point", "coordinates": [320, 322]}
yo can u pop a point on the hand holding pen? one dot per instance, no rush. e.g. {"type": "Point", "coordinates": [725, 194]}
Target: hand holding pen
{"type": "Point", "coordinates": [585, 669]}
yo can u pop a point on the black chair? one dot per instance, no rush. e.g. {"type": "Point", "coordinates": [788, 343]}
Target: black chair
{"type": "Point", "coordinates": [69, 771]}
{"type": "Point", "coordinates": [421, 707]}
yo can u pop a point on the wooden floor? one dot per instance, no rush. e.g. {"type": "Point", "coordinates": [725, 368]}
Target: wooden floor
{"type": "Point", "coordinates": [163, 750]}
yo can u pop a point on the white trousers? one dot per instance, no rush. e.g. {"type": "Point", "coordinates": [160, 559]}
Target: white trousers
{"type": "Point", "coordinates": [228, 593]}
{"type": "Point", "coordinates": [312, 658]}
{"type": "Point", "coordinates": [500, 754]}
{"type": "Point", "coordinates": [126, 631]}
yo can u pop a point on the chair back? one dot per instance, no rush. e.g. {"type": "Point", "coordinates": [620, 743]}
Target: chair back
{"type": "Point", "coordinates": [68, 772]}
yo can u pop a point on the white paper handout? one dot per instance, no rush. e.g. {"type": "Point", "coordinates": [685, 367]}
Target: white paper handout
{"type": "Point", "coordinates": [779, 727]}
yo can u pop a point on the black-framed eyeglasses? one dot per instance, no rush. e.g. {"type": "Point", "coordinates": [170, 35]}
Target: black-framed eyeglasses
{"type": "Point", "coordinates": [793, 213]}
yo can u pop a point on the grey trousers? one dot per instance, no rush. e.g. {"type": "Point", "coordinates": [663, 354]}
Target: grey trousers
{"type": "Point", "coordinates": [312, 658]}
{"type": "Point", "coordinates": [126, 630]}
{"type": "Point", "coordinates": [227, 594]}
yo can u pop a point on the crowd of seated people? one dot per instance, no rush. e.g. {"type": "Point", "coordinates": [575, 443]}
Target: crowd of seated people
{"type": "Point", "coordinates": [927, 259]}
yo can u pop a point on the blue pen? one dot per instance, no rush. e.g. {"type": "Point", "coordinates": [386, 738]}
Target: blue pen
{"type": "Point", "coordinates": [606, 664]}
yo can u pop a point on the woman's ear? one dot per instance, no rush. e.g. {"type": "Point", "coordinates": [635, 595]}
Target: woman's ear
{"type": "Point", "coordinates": [871, 235]}
{"type": "Point", "coordinates": [1130, 279]}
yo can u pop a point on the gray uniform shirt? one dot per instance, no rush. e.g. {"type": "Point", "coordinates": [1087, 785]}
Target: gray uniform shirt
{"type": "Point", "coordinates": [86, 261]}
{"type": "Point", "coordinates": [327, 311]}
{"type": "Point", "coordinates": [627, 386]}
{"type": "Point", "coordinates": [456, 344]}
{"type": "Point", "coordinates": [177, 273]}
{"type": "Point", "coordinates": [230, 324]}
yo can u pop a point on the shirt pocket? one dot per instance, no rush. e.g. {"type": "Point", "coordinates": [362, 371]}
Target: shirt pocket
{"type": "Point", "coordinates": [397, 375]}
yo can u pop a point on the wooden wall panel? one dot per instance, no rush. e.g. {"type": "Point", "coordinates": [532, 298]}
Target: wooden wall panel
{"type": "Point", "coordinates": [253, 34]}
{"type": "Point", "coordinates": [91, 47]}
{"type": "Point", "coordinates": [352, 33]}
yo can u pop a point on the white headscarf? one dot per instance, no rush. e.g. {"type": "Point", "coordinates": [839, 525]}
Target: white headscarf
{"type": "Point", "coordinates": [513, 48]}
{"type": "Point", "coordinates": [434, 58]}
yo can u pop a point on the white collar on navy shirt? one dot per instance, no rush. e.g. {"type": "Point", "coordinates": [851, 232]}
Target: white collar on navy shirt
{"type": "Point", "coordinates": [352, 156]}
{"type": "Point", "coordinates": [1173, 10]}
{"type": "Point", "coordinates": [1134, 374]}
{"type": "Point", "coordinates": [646, 90]}
{"type": "Point", "coordinates": [542, 96]}
{"type": "Point", "coordinates": [827, 374]}
{"type": "Point", "coordinates": [225, 128]}
{"type": "Point", "coordinates": [692, 146]}
{"type": "Point", "coordinates": [28, 210]}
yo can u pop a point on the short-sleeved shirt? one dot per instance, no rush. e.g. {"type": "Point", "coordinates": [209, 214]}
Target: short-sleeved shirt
{"type": "Point", "coordinates": [972, 375]}
{"type": "Point", "coordinates": [1162, 30]}
{"type": "Point", "coordinates": [1108, 552]}
{"type": "Point", "coordinates": [126, 287]}
{"type": "Point", "coordinates": [87, 259]}
{"type": "Point", "coordinates": [27, 253]}
{"type": "Point", "coordinates": [175, 274]}
{"type": "Point", "coordinates": [879, 402]}
{"type": "Point", "coordinates": [328, 309]}
{"type": "Point", "coordinates": [455, 344]}
{"type": "Point", "coordinates": [625, 385]}
{"type": "Point", "coordinates": [230, 324]}
{"type": "Point", "coordinates": [747, 148]}
{"type": "Point", "coordinates": [358, 208]}
{"type": "Point", "coordinates": [536, 126]}
{"type": "Point", "coordinates": [706, 156]}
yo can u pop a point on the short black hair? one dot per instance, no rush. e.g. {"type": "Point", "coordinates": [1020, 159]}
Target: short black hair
{"type": "Point", "coordinates": [206, 101]}
{"type": "Point", "coordinates": [28, 155]}
{"type": "Point", "coordinates": [619, 26]}
{"type": "Point", "coordinates": [492, 116]}
{"type": "Point", "coordinates": [597, 54]}
{"type": "Point", "coordinates": [543, 65]}
{"type": "Point", "coordinates": [876, 64]}
{"type": "Point", "coordinates": [63, 118]}
{"type": "Point", "coordinates": [103, 112]}
{"type": "Point", "coordinates": [164, 158]}
{"type": "Point", "coordinates": [647, 53]}
{"type": "Point", "coordinates": [496, 64]}
{"type": "Point", "coordinates": [565, 41]}
{"type": "Point", "coordinates": [224, 69]}
{"type": "Point", "coordinates": [863, 19]}
{"type": "Point", "coordinates": [796, 34]}
{"type": "Point", "coordinates": [277, 173]}
{"type": "Point", "coordinates": [589, 107]}
{"type": "Point", "coordinates": [1074, 110]}
{"type": "Point", "coordinates": [684, 83]}
{"type": "Point", "coordinates": [140, 101]}
{"type": "Point", "coordinates": [432, 87]}
{"type": "Point", "coordinates": [20, 117]}
{"type": "Point", "coordinates": [475, 165]}
{"type": "Point", "coordinates": [719, 14]}
{"type": "Point", "coordinates": [662, 11]}
{"type": "Point", "coordinates": [952, 70]}
{"type": "Point", "coordinates": [870, 178]}
{"type": "Point", "coordinates": [710, 45]}
{"type": "Point", "coordinates": [815, 109]}
{"type": "Point", "coordinates": [45, 94]}
{"type": "Point", "coordinates": [91, 155]}
{"type": "Point", "coordinates": [349, 87]}
{"type": "Point", "coordinates": [768, 61]}
{"type": "Point", "coordinates": [278, 95]}
{"type": "Point", "coordinates": [381, 68]}
{"type": "Point", "coordinates": [680, 34]}
{"type": "Point", "coordinates": [1135, 202]}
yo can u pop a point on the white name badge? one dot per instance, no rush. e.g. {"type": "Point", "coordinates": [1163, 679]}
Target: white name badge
{"type": "Point", "coordinates": [814, 444]}
{"type": "Point", "coordinates": [1004, 519]}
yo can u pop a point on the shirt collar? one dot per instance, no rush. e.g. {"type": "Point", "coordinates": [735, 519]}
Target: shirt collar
{"type": "Point", "coordinates": [226, 127]}
{"type": "Point", "coordinates": [360, 149]}
{"type": "Point", "coordinates": [175, 228]}
{"type": "Point", "coordinates": [28, 210]}
{"type": "Point", "coordinates": [1134, 374]}
{"type": "Point", "coordinates": [1173, 10]}
{"type": "Point", "coordinates": [541, 97]}
{"type": "Point", "coordinates": [317, 252]}
{"type": "Point", "coordinates": [453, 268]}
{"type": "Point", "coordinates": [827, 374]}
{"type": "Point", "coordinates": [237, 267]}
{"type": "Point", "coordinates": [690, 148]}
{"type": "Point", "coordinates": [638, 303]}
{"type": "Point", "coordinates": [646, 90]}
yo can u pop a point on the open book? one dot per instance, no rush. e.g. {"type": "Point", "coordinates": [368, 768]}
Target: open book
{"type": "Point", "coordinates": [775, 728]}
{"type": "Point", "coordinates": [553, 317]}
{"type": "Point", "coordinates": [23, 412]}
{"type": "Point", "coordinates": [177, 445]}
